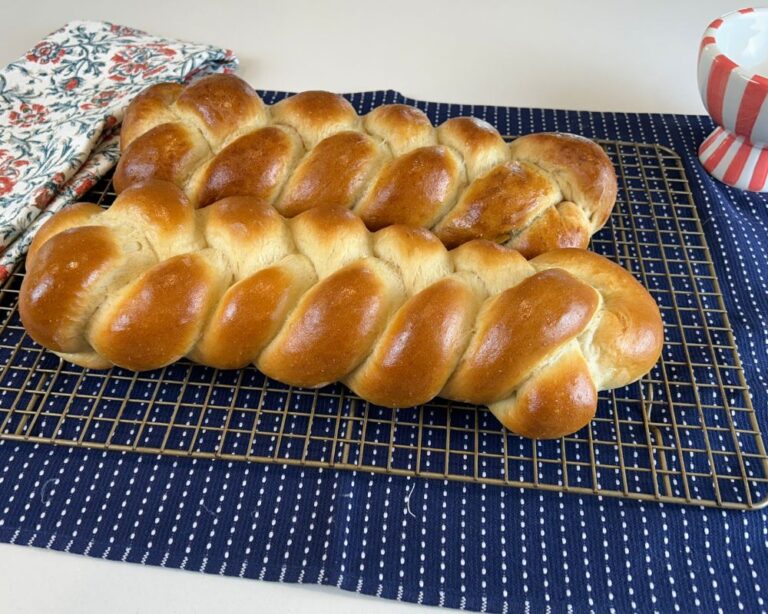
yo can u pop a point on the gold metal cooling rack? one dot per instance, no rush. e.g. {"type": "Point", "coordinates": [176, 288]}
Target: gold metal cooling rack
{"type": "Point", "coordinates": [686, 433]}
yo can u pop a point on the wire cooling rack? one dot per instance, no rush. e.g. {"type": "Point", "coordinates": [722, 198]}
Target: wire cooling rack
{"type": "Point", "coordinates": [685, 433]}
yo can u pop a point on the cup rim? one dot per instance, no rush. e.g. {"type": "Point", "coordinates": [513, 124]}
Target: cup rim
{"type": "Point", "coordinates": [709, 40]}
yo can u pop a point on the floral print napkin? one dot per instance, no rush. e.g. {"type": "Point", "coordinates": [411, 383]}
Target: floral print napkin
{"type": "Point", "coordinates": [60, 109]}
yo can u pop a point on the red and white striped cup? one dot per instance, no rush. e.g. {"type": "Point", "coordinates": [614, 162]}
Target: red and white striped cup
{"type": "Point", "coordinates": [733, 81]}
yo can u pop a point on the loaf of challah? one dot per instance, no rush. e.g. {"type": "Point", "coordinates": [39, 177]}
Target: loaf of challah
{"type": "Point", "coordinates": [318, 298]}
{"type": "Point", "coordinates": [216, 138]}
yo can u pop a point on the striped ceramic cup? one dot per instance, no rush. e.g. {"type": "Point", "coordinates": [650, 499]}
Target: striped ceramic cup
{"type": "Point", "coordinates": [733, 81]}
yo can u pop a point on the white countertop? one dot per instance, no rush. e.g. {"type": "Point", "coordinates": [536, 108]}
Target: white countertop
{"type": "Point", "coordinates": [603, 56]}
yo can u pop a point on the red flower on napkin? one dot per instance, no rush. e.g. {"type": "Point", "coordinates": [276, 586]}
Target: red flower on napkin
{"type": "Point", "coordinates": [46, 52]}
{"type": "Point", "coordinates": [124, 30]}
{"type": "Point", "coordinates": [27, 115]}
{"type": "Point", "coordinates": [9, 171]}
{"type": "Point", "coordinates": [144, 61]}
{"type": "Point", "coordinates": [102, 99]}
{"type": "Point", "coordinates": [6, 184]}
{"type": "Point", "coordinates": [45, 193]}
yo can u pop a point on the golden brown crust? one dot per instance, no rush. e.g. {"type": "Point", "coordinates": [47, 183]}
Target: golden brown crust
{"type": "Point", "coordinates": [163, 213]}
{"type": "Point", "coordinates": [319, 298]}
{"type": "Point", "coordinates": [518, 329]}
{"type": "Point", "coordinates": [562, 226]}
{"type": "Point", "coordinates": [460, 179]}
{"type": "Point", "coordinates": [402, 127]}
{"type": "Point", "coordinates": [415, 189]}
{"type": "Point", "coordinates": [149, 109]}
{"type": "Point", "coordinates": [169, 152]}
{"type": "Point", "coordinates": [630, 333]}
{"type": "Point", "coordinates": [54, 294]}
{"type": "Point", "coordinates": [318, 345]}
{"type": "Point", "coordinates": [497, 204]}
{"type": "Point", "coordinates": [315, 115]}
{"type": "Point", "coordinates": [257, 164]}
{"type": "Point", "coordinates": [251, 312]}
{"type": "Point", "coordinates": [479, 143]}
{"type": "Point", "coordinates": [221, 106]}
{"type": "Point", "coordinates": [582, 169]}
{"type": "Point", "coordinates": [247, 232]}
{"type": "Point", "coordinates": [332, 174]}
{"type": "Point", "coordinates": [561, 398]}
{"type": "Point", "coordinates": [155, 320]}
{"type": "Point", "coordinates": [244, 218]}
{"type": "Point", "coordinates": [78, 214]}
{"type": "Point", "coordinates": [418, 255]}
{"type": "Point", "coordinates": [420, 347]}
{"type": "Point", "coordinates": [331, 238]}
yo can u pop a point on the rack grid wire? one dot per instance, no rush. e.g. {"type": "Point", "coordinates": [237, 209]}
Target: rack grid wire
{"type": "Point", "coordinates": [685, 433]}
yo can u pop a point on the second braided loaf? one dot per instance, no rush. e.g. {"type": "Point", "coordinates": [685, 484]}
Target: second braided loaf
{"type": "Point", "coordinates": [318, 299]}
{"type": "Point", "coordinates": [217, 138]}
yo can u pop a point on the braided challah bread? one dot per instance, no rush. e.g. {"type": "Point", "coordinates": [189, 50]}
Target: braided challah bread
{"type": "Point", "coordinates": [318, 298]}
{"type": "Point", "coordinates": [216, 138]}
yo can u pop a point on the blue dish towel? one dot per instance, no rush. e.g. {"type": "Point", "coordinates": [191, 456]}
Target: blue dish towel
{"type": "Point", "coordinates": [454, 544]}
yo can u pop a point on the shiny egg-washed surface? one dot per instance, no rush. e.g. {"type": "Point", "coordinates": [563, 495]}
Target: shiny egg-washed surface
{"type": "Point", "coordinates": [319, 298]}
{"type": "Point", "coordinates": [216, 138]}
